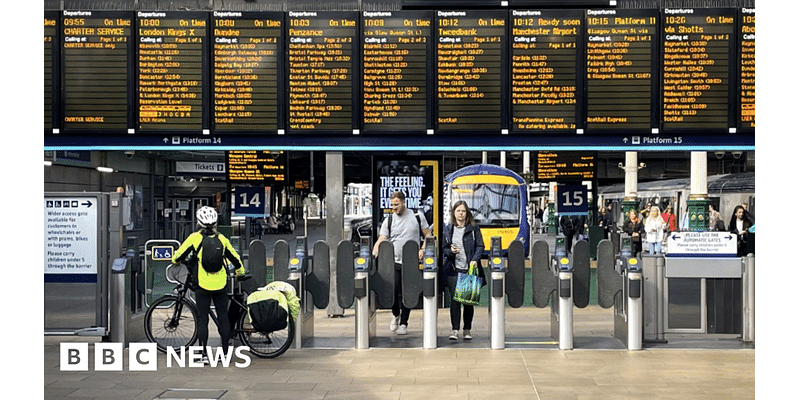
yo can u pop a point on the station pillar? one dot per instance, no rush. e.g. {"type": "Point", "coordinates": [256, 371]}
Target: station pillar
{"type": "Point", "coordinates": [631, 183]}
{"type": "Point", "coordinates": [334, 218]}
{"type": "Point", "coordinates": [698, 201]}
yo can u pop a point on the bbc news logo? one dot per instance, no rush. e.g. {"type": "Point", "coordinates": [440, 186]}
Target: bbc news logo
{"type": "Point", "coordinates": [144, 357]}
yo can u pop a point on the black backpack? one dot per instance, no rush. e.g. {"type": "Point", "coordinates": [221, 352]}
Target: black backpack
{"type": "Point", "coordinates": [213, 253]}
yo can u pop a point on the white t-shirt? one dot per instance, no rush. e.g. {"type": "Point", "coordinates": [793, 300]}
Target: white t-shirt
{"type": "Point", "coordinates": [458, 243]}
{"type": "Point", "coordinates": [404, 229]}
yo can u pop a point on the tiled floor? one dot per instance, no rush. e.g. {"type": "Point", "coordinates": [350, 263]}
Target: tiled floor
{"type": "Point", "coordinates": [396, 367]}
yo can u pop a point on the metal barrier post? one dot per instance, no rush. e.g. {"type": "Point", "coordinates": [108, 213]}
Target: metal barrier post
{"type": "Point", "coordinates": [749, 299]}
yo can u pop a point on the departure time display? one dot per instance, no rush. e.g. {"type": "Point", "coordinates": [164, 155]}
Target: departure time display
{"type": "Point", "coordinates": [544, 69]}
{"type": "Point", "coordinates": [621, 74]}
{"type": "Point", "coordinates": [322, 59]}
{"type": "Point", "coordinates": [171, 70]}
{"type": "Point", "coordinates": [395, 56]}
{"type": "Point", "coordinates": [50, 57]}
{"type": "Point", "coordinates": [96, 68]}
{"type": "Point", "coordinates": [697, 68]}
{"type": "Point", "coordinates": [469, 62]}
{"type": "Point", "coordinates": [747, 70]}
{"type": "Point", "coordinates": [247, 71]}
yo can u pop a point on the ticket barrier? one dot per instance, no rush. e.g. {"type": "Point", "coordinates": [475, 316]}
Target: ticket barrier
{"type": "Point", "coordinates": [506, 281]}
{"type": "Point", "coordinates": [567, 276]}
{"type": "Point", "coordinates": [309, 276]}
{"type": "Point", "coordinates": [430, 272]}
{"type": "Point", "coordinates": [620, 284]}
{"type": "Point", "coordinates": [367, 282]}
{"type": "Point", "coordinates": [124, 326]}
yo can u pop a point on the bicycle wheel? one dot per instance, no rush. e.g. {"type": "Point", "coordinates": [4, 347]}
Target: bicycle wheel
{"type": "Point", "coordinates": [169, 322]}
{"type": "Point", "coordinates": [265, 345]}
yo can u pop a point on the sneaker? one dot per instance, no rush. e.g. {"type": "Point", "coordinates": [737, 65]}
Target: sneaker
{"type": "Point", "coordinates": [402, 329]}
{"type": "Point", "coordinates": [395, 322]}
{"type": "Point", "coordinates": [467, 335]}
{"type": "Point", "coordinates": [454, 335]}
{"type": "Point", "coordinates": [204, 360]}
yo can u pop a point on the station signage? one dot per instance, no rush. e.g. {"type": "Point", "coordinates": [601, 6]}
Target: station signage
{"type": "Point", "coordinates": [700, 244]}
{"type": "Point", "coordinates": [70, 232]}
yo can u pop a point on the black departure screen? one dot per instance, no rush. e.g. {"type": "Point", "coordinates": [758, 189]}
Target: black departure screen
{"type": "Point", "coordinates": [747, 70]}
{"type": "Point", "coordinates": [247, 51]}
{"type": "Point", "coordinates": [322, 59]}
{"type": "Point", "coordinates": [395, 59]}
{"type": "Point", "coordinates": [697, 66]}
{"type": "Point", "coordinates": [621, 72]}
{"type": "Point", "coordinates": [97, 50]}
{"type": "Point", "coordinates": [171, 63]}
{"type": "Point", "coordinates": [469, 64]}
{"type": "Point", "coordinates": [545, 49]}
{"type": "Point", "coordinates": [50, 61]}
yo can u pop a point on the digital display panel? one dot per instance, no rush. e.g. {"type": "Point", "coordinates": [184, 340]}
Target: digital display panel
{"type": "Point", "coordinates": [322, 59]}
{"type": "Point", "coordinates": [395, 58]}
{"type": "Point", "coordinates": [747, 70]}
{"type": "Point", "coordinates": [563, 166]}
{"type": "Point", "coordinates": [172, 63]}
{"type": "Point", "coordinates": [97, 49]}
{"type": "Point", "coordinates": [545, 49]}
{"type": "Point", "coordinates": [470, 48]}
{"type": "Point", "coordinates": [255, 166]}
{"type": "Point", "coordinates": [247, 71]}
{"type": "Point", "coordinates": [697, 67]}
{"type": "Point", "coordinates": [622, 77]}
{"type": "Point", "coordinates": [50, 61]}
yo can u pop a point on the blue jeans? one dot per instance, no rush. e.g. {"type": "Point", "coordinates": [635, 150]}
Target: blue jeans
{"type": "Point", "coordinates": [654, 248]}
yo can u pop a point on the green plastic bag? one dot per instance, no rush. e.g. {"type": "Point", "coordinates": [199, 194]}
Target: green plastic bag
{"type": "Point", "coordinates": [468, 287]}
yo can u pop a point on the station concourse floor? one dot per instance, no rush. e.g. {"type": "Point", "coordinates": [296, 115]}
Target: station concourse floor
{"type": "Point", "coordinates": [397, 367]}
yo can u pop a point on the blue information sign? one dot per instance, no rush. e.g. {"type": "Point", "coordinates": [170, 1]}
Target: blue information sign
{"type": "Point", "coordinates": [252, 201]}
{"type": "Point", "coordinates": [572, 199]}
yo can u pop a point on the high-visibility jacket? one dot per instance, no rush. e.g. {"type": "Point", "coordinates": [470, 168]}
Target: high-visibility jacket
{"type": "Point", "coordinates": [190, 250]}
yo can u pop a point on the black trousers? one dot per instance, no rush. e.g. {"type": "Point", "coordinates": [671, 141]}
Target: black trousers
{"type": "Point", "coordinates": [398, 309]}
{"type": "Point", "coordinates": [203, 298]}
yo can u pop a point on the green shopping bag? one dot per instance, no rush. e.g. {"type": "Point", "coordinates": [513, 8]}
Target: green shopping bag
{"type": "Point", "coordinates": [468, 287]}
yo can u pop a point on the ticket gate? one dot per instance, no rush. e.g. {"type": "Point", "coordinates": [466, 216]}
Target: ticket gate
{"type": "Point", "coordinates": [567, 276]}
{"type": "Point", "coordinates": [353, 285]}
{"type": "Point", "coordinates": [309, 276]}
{"type": "Point", "coordinates": [506, 280]}
{"type": "Point", "coordinates": [430, 272]}
{"type": "Point", "coordinates": [619, 284]}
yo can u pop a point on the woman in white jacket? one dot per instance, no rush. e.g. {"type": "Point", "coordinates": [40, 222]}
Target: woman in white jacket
{"type": "Point", "coordinates": [655, 227]}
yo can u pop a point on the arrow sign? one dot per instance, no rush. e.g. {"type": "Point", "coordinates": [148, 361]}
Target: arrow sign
{"type": "Point", "coordinates": [87, 204]}
{"type": "Point", "coordinates": [702, 244]}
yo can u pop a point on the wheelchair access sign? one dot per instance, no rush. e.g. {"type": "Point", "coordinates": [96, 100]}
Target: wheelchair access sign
{"type": "Point", "coordinates": [160, 253]}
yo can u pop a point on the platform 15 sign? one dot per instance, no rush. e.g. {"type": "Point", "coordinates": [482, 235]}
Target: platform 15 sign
{"type": "Point", "coordinates": [572, 200]}
{"type": "Point", "coordinates": [252, 201]}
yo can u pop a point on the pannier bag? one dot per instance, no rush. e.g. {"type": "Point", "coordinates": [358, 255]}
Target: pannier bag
{"type": "Point", "coordinates": [269, 307]}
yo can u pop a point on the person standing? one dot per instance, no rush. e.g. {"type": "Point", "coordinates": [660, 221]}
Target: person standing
{"type": "Point", "coordinates": [740, 225]}
{"type": "Point", "coordinates": [568, 228]}
{"type": "Point", "coordinates": [205, 252]}
{"type": "Point", "coordinates": [462, 245]}
{"type": "Point", "coordinates": [655, 226]}
{"type": "Point", "coordinates": [633, 227]}
{"type": "Point", "coordinates": [400, 227]}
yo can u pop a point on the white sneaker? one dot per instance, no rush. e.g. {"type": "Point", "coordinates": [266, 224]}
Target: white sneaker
{"type": "Point", "coordinates": [395, 322]}
{"type": "Point", "coordinates": [454, 335]}
{"type": "Point", "coordinates": [402, 329]}
{"type": "Point", "coordinates": [467, 335]}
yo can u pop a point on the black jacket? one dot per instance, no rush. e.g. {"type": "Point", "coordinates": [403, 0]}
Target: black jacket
{"type": "Point", "coordinates": [473, 247]}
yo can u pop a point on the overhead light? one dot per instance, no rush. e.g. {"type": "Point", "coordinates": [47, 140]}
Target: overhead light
{"type": "Point", "coordinates": [105, 169]}
{"type": "Point", "coordinates": [47, 163]}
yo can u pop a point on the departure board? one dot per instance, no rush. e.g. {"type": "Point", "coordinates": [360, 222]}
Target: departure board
{"type": "Point", "coordinates": [50, 61]}
{"type": "Point", "coordinates": [97, 49]}
{"type": "Point", "coordinates": [396, 50]}
{"type": "Point", "coordinates": [470, 58]}
{"type": "Point", "coordinates": [255, 166]}
{"type": "Point", "coordinates": [322, 58]}
{"type": "Point", "coordinates": [247, 71]}
{"type": "Point", "coordinates": [697, 66]}
{"type": "Point", "coordinates": [747, 70]}
{"type": "Point", "coordinates": [622, 76]}
{"type": "Point", "coordinates": [564, 166]}
{"type": "Point", "coordinates": [172, 63]}
{"type": "Point", "coordinates": [545, 49]}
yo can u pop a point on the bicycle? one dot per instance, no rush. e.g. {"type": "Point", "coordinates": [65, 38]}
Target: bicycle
{"type": "Point", "coordinates": [172, 319]}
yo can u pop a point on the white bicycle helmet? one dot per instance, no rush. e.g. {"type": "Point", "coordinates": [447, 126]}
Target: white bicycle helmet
{"type": "Point", "coordinates": [207, 217]}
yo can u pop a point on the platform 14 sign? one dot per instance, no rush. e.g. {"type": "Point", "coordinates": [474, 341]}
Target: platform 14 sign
{"type": "Point", "coordinates": [252, 201]}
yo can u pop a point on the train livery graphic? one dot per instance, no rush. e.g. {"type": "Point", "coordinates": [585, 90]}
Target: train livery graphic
{"type": "Point", "coordinates": [497, 197]}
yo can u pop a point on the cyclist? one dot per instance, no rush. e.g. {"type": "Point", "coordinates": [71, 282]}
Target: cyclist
{"type": "Point", "coordinates": [204, 252]}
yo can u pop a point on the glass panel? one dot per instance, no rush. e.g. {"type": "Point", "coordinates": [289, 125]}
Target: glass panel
{"type": "Point", "coordinates": [684, 303]}
{"type": "Point", "coordinates": [492, 205]}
